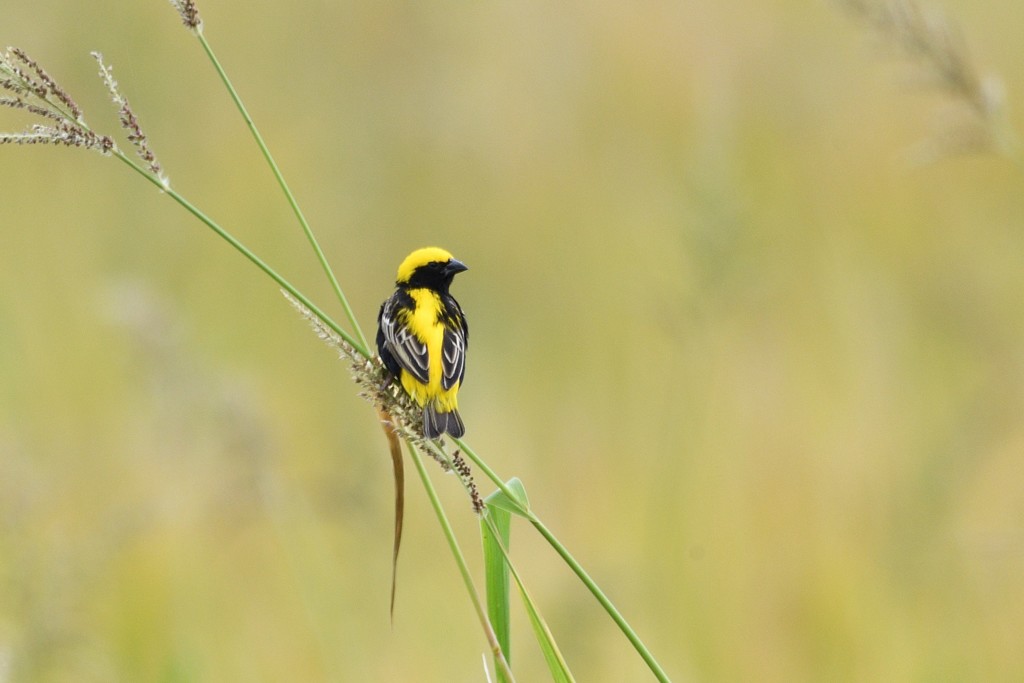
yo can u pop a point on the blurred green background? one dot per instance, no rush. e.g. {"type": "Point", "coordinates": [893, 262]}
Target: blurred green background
{"type": "Point", "coordinates": [762, 374]}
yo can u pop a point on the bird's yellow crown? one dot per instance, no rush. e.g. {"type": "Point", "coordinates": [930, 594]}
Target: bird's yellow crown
{"type": "Point", "coordinates": [421, 257]}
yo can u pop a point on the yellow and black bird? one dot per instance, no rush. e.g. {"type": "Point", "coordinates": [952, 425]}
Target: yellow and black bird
{"type": "Point", "coordinates": [422, 338]}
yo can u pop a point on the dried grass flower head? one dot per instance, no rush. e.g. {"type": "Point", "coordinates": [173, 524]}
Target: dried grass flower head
{"type": "Point", "coordinates": [974, 119]}
{"type": "Point", "coordinates": [189, 14]}
{"type": "Point", "coordinates": [129, 122]}
{"type": "Point", "coordinates": [28, 87]}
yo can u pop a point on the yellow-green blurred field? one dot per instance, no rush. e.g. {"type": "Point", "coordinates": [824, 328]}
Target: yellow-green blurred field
{"type": "Point", "coordinates": [761, 372]}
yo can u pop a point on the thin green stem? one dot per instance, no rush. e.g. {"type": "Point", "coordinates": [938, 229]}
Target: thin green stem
{"type": "Point", "coordinates": [242, 249]}
{"type": "Point", "coordinates": [610, 608]}
{"type": "Point", "coordinates": [460, 560]}
{"type": "Point", "coordinates": [362, 346]}
{"type": "Point", "coordinates": [656, 669]}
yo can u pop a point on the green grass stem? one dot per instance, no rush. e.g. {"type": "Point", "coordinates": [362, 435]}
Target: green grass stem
{"type": "Point", "coordinates": [460, 560]}
{"type": "Point", "coordinates": [362, 346]}
{"type": "Point", "coordinates": [591, 585]}
{"type": "Point", "coordinates": [242, 249]}
{"type": "Point", "coordinates": [610, 608]}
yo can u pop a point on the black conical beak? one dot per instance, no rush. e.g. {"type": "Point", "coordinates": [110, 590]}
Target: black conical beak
{"type": "Point", "coordinates": [454, 266]}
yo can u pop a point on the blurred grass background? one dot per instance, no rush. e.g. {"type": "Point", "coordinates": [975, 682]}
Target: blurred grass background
{"type": "Point", "coordinates": [759, 373]}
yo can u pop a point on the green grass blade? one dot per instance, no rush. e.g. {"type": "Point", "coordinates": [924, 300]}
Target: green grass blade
{"type": "Point", "coordinates": [492, 529]}
{"type": "Point", "coordinates": [517, 503]}
{"type": "Point", "coordinates": [495, 531]}
{"type": "Point", "coordinates": [499, 658]}
{"type": "Point", "coordinates": [511, 496]}
{"type": "Point", "coordinates": [552, 655]}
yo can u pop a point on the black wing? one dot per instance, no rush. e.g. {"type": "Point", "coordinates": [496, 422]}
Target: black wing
{"type": "Point", "coordinates": [396, 340]}
{"type": "Point", "coordinates": [456, 339]}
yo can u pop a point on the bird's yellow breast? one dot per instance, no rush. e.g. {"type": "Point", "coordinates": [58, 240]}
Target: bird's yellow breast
{"type": "Point", "coordinates": [424, 322]}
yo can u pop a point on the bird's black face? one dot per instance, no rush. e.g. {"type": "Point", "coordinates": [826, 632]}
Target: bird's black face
{"type": "Point", "coordinates": [436, 274]}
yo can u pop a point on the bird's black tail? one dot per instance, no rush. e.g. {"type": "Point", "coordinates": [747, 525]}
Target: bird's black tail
{"type": "Point", "coordinates": [436, 424]}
